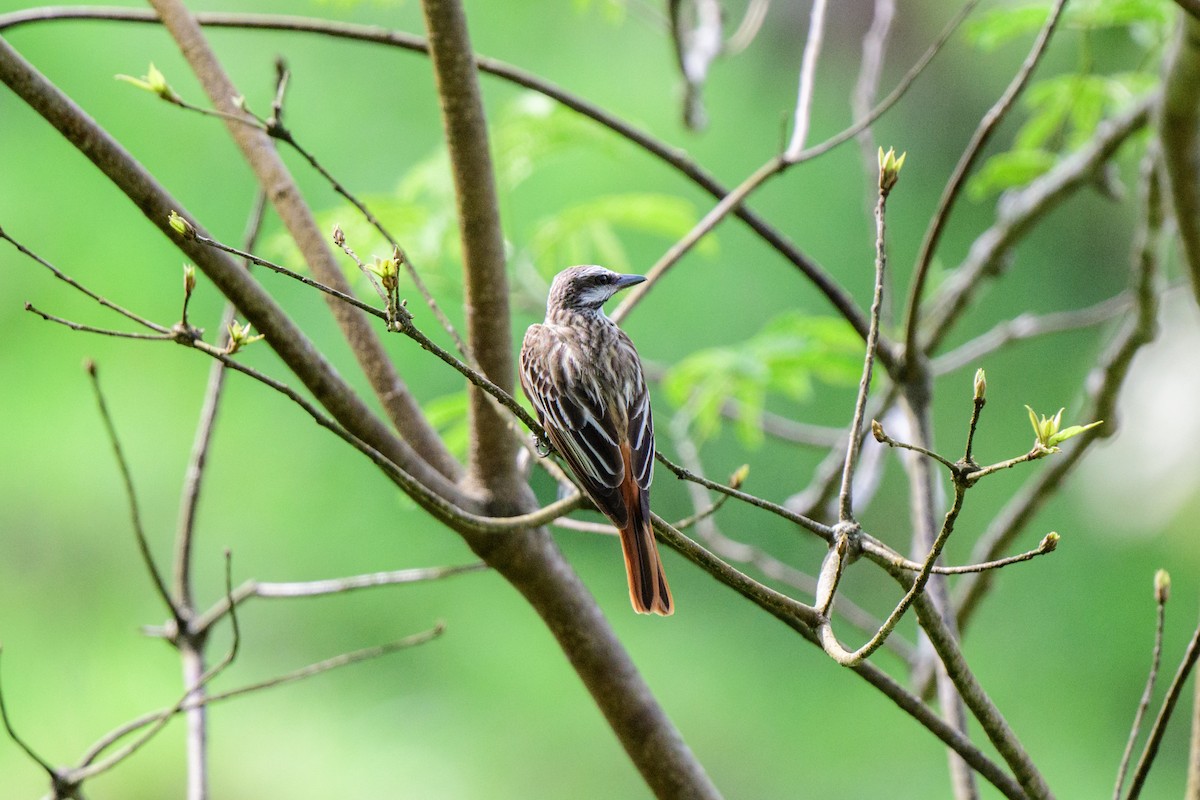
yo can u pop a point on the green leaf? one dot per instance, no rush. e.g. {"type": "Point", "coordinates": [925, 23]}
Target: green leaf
{"type": "Point", "coordinates": [1002, 25]}
{"type": "Point", "coordinates": [784, 359]}
{"type": "Point", "coordinates": [1074, 430]}
{"type": "Point", "coordinates": [586, 232]}
{"type": "Point", "coordinates": [1006, 170]}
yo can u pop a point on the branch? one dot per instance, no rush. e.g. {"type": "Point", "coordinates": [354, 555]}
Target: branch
{"type": "Point", "coordinates": [1164, 715]}
{"type": "Point", "coordinates": [319, 588]}
{"type": "Point", "coordinates": [866, 88]}
{"type": "Point", "coordinates": [134, 512]}
{"type": "Point", "coordinates": [204, 429]}
{"type": "Point", "coordinates": [485, 284]}
{"type": "Point", "coordinates": [808, 75]}
{"type": "Point", "coordinates": [1028, 326]}
{"type": "Point", "coordinates": [192, 702]}
{"type": "Point", "coordinates": [1104, 385]}
{"type": "Point", "coordinates": [1161, 592]}
{"type": "Point", "coordinates": [824, 531]}
{"type": "Point", "coordinates": [854, 439]}
{"type": "Point", "coordinates": [285, 338]}
{"type": "Point", "coordinates": [274, 178]}
{"type": "Point", "coordinates": [1179, 132]}
{"type": "Point", "coordinates": [1017, 214]}
{"type": "Point", "coordinates": [987, 126]}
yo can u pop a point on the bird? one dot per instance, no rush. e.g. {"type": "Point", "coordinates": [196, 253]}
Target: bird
{"type": "Point", "coordinates": [584, 378]}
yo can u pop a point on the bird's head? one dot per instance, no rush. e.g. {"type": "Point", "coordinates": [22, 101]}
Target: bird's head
{"type": "Point", "coordinates": [586, 288]}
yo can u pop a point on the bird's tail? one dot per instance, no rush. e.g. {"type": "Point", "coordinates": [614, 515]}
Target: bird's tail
{"type": "Point", "coordinates": [648, 588]}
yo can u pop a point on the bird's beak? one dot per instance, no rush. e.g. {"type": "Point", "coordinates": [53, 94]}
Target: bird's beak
{"type": "Point", "coordinates": [625, 281]}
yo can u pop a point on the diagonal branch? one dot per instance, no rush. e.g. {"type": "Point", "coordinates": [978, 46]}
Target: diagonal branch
{"type": "Point", "coordinates": [285, 338]}
{"type": "Point", "coordinates": [987, 126]}
{"type": "Point", "coordinates": [260, 153]}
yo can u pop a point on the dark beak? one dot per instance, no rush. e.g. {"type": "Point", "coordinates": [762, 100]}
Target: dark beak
{"type": "Point", "coordinates": [625, 281]}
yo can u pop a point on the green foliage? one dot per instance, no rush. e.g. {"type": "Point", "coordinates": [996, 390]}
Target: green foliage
{"type": "Point", "coordinates": [611, 11]}
{"type": "Point", "coordinates": [784, 358]}
{"type": "Point", "coordinates": [1064, 110]}
{"type": "Point", "coordinates": [528, 135]}
{"type": "Point", "coordinates": [1007, 23]}
{"type": "Point", "coordinates": [586, 232]}
{"type": "Point", "coordinates": [533, 130]}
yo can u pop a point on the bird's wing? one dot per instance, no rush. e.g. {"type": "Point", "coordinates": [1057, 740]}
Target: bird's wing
{"type": "Point", "coordinates": [571, 408]}
{"type": "Point", "coordinates": [641, 423]}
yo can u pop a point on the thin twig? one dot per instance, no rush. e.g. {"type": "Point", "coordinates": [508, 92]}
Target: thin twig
{"type": "Point", "coordinates": [294, 589]}
{"type": "Point", "coordinates": [280, 680]}
{"type": "Point", "coordinates": [276, 129]}
{"type": "Point", "coordinates": [854, 439]}
{"type": "Point", "coordinates": [866, 88]}
{"type": "Point", "coordinates": [824, 531]}
{"type": "Point", "coordinates": [272, 175]}
{"type": "Point", "coordinates": [67, 279]}
{"type": "Point", "coordinates": [1028, 326]}
{"type": "Point", "coordinates": [131, 496]}
{"type": "Point", "coordinates": [1160, 608]}
{"type": "Point", "coordinates": [194, 475]}
{"type": "Point", "coordinates": [808, 76]}
{"type": "Point", "coordinates": [874, 547]}
{"type": "Point", "coordinates": [90, 769]}
{"type": "Point", "coordinates": [991, 120]}
{"type": "Point", "coordinates": [76, 326]}
{"type": "Point", "coordinates": [1150, 750]}
{"type": "Point", "coordinates": [763, 596]}
{"type": "Point", "coordinates": [19, 742]}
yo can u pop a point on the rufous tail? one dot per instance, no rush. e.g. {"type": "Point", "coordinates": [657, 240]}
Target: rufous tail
{"type": "Point", "coordinates": [648, 590]}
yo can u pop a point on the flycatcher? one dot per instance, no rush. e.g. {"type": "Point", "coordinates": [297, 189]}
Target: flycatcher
{"type": "Point", "coordinates": [584, 378]}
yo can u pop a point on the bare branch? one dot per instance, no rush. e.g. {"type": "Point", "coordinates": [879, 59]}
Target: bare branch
{"type": "Point", "coordinates": [107, 741]}
{"type": "Point", "coordinates": [1017, 214]}
{"type": "Point", "coordinates": [131, 496]}
{"type": "Point", "coordinates": [194, 476]}
{"type": "Point", "coordinates": [282, 334]}
{"type": "Point", "coordinates": [67, 279]}
{"type": "Point", "coordinates": [1028, 326]}
{"type": "Point", "coordinates": [824, 531]}
{"type": "Point", "coordinates": [1138, 782]}
{"type": "Point", "coordinates": [808, 76]}
{"type": "Point", "coordinates": [866, 88]}
{"type": "Point", "coordinates": [91, 769]}
{"type": "Point", "coordinates": [1160, 604]}
{"type": "Point", "coordinates": [293, 589]}
{"type": "Point", "coordinates": [854, 438]}
{"type": "Point", "coordinates": [50, 771]}
{"type": "Point", "coordinates": [274, 178]}
{"type": "Point", "coordinates": [1179, 131]}
{"type": "Point", "coordinates": [1103, 387]}
{"type": "Point", "coordinates": [991, 120]}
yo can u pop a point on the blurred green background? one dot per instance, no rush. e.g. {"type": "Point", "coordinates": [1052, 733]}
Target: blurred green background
{"type": "Point", "coordinates": [491, 709]}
